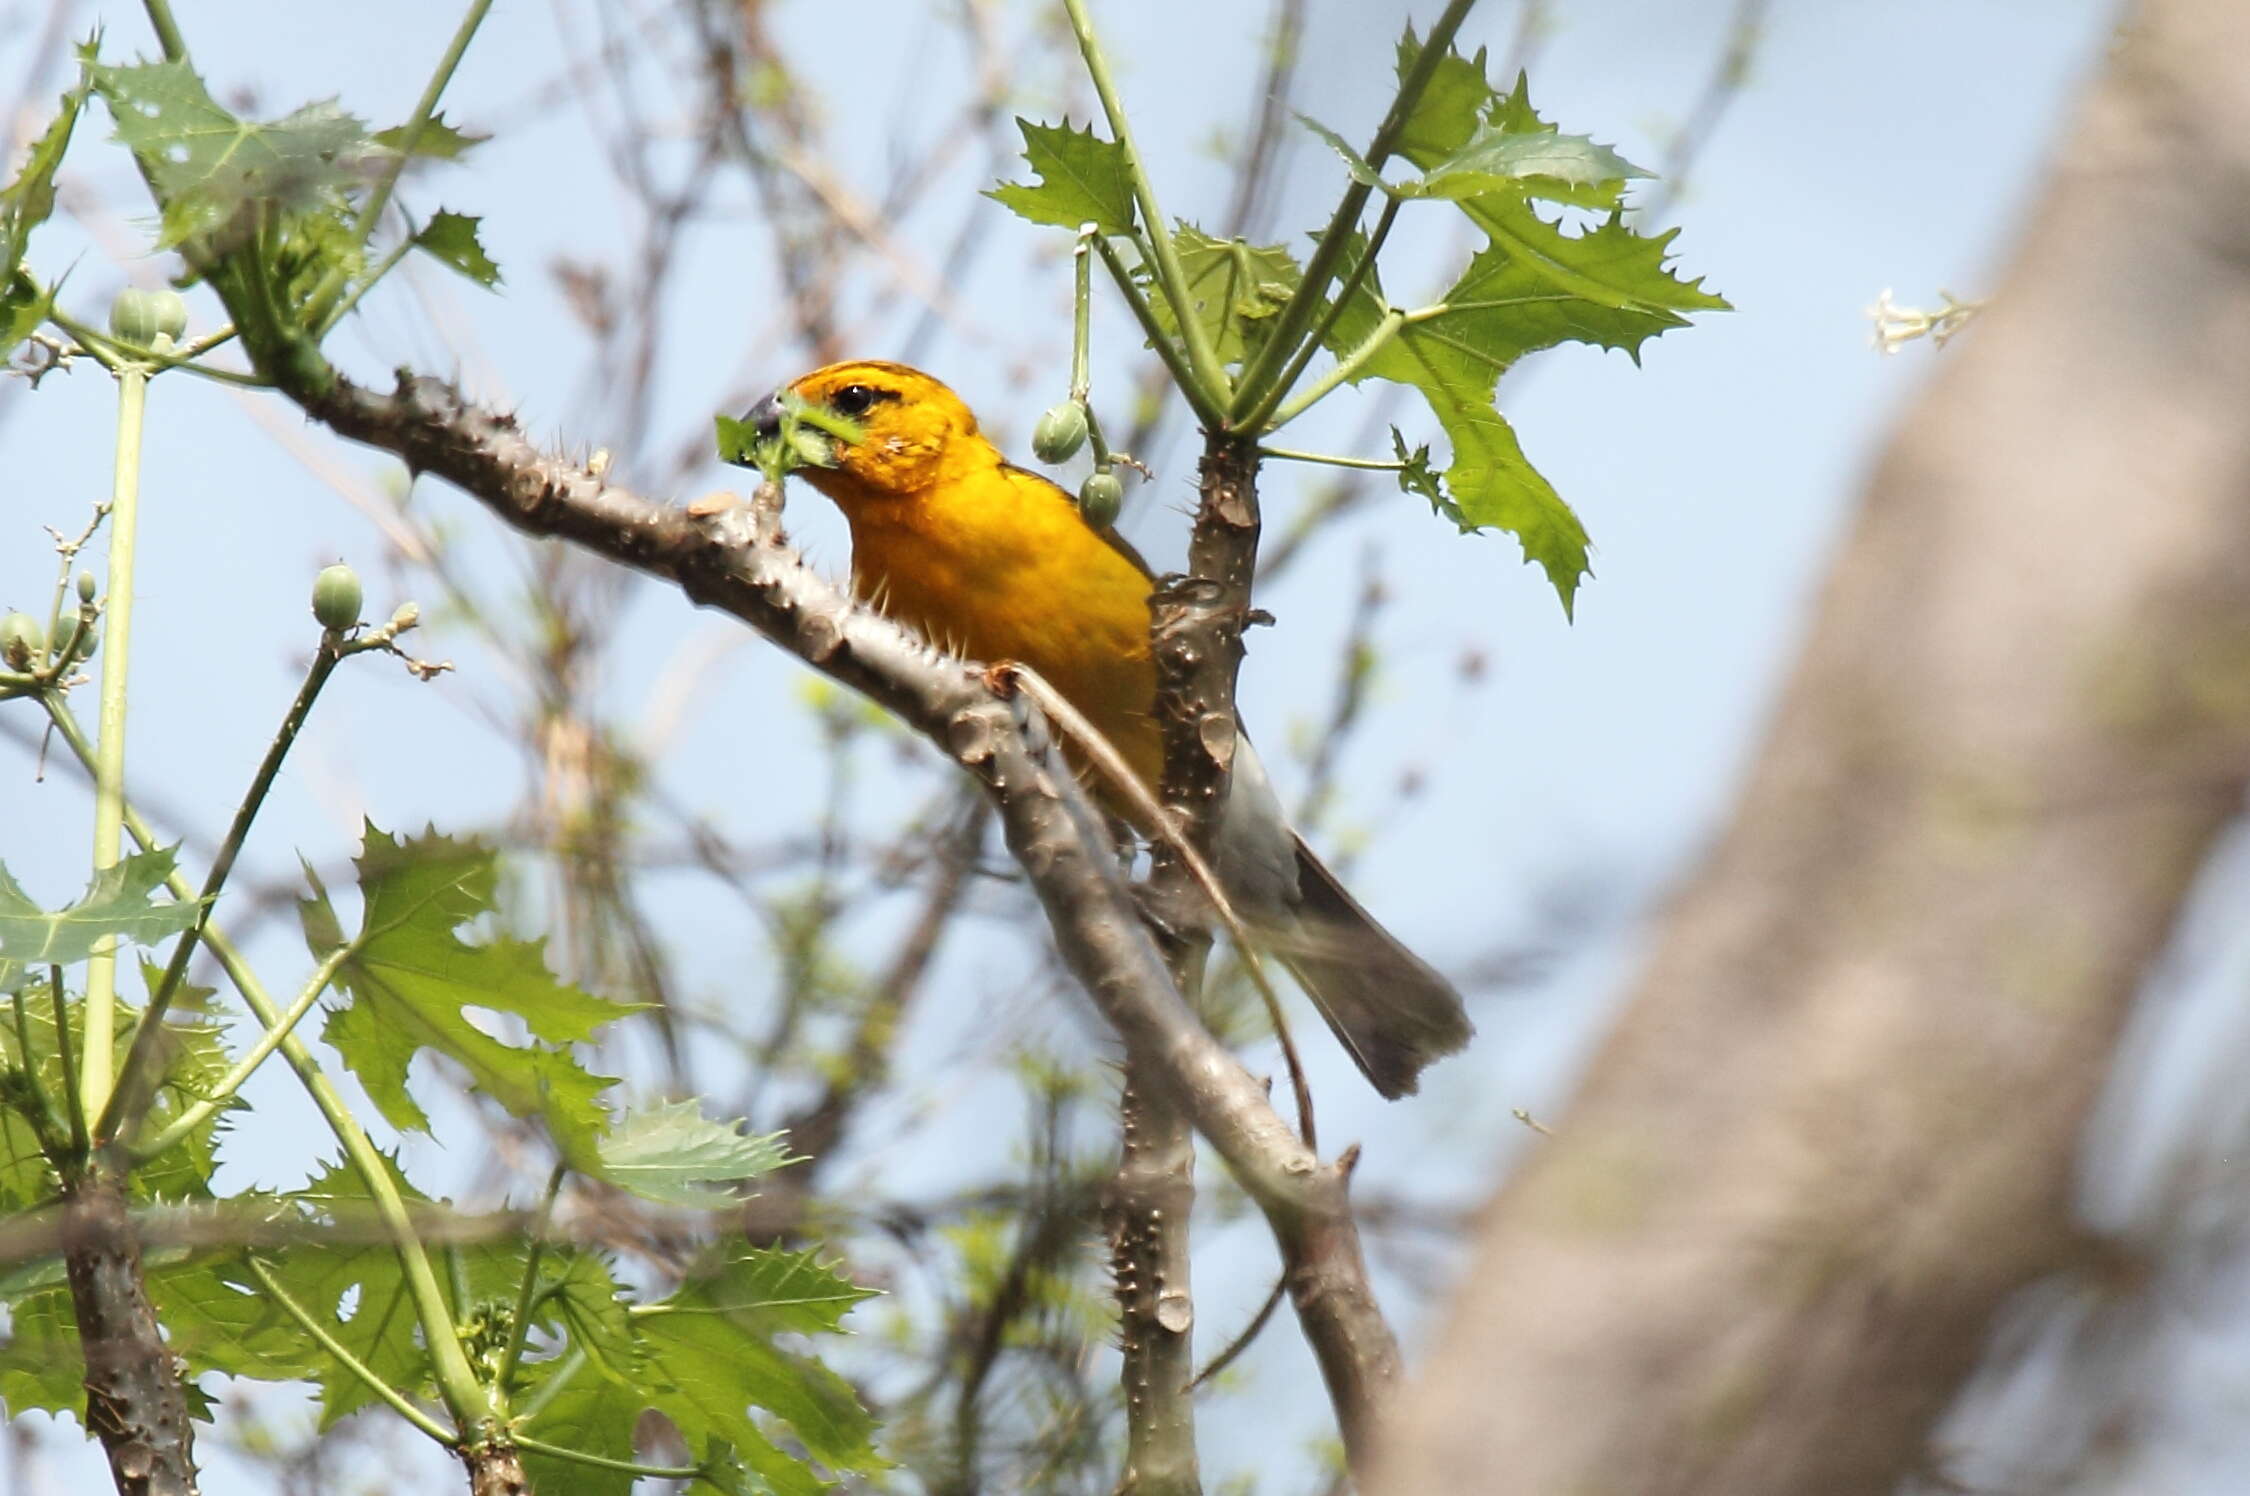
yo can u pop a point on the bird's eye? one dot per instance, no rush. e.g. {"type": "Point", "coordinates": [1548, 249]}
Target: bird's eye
{"type": "Point", "coordinates": [853, 400]}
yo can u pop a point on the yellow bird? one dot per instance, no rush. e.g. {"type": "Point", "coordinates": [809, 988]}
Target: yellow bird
{"type": "Point", "coordinates": [991, 562]}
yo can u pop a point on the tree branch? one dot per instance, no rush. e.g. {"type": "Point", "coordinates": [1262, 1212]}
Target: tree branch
{"type": "Point", "coordinates": [736, 561]}
{"type": "Point", "coordinates": [134, 1403]}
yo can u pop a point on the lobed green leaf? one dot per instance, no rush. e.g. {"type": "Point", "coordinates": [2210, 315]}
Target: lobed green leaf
{"type": "Point", "coordinates": [674, 1155]}
{"type": "Point", "coordinates": [119, 903]}
{"type": "Point", "coordinates": [212, 169]}
{"type": "Point", "coordinates": [412, 980]}
{"type": "Point", "coordinates": [25, 203]}
{"type": "Point", "coordinates": [1082, 179]}
{"type": "Point", "coordinates": [713, 1358]}
{"type": "Point", "coordinates": [439, 140]}
{"type": "Point", "coordinates": [451, 239]}
{"type": "Point", "coordinates": [1235, 287]}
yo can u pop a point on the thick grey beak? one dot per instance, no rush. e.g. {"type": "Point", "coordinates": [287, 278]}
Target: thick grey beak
{"type": "Point", "coordinates": [765, 416]}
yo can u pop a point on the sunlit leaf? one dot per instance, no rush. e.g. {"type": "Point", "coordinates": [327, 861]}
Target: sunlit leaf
{"type": "Point", "coordinates": [674, 1155]}
{"type": "Point", "coordinates": [25, 203]}
{"type": "Point", "coordinates": [451, 238]}
{"type": "Point", "coordinates": [438, 140]}
{"type": "Point", "coordinates": [1235, 288]}
{"type": "Point", "coordinates": [119, 902]}
{"type": "Point", "coordinates": [1082, 179]}
{"type": "Point", "coordinates": [713, 1358]}
{"type": "Point", "coordinates": [209, 167]}
{"type": "Point", "coordinates": [413, 980]}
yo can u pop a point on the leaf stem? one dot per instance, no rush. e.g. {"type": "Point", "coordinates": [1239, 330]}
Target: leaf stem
{"type": "Point", "coordinates": [32, 1104]}
{"type": "Point", "coordinates": [1081, 330]}
{"type": "Point", "coordinates": [167, 30]}
{"type": "Point", "coordinates": [368, 282]}
{"type": "Point", "coordinates": [1210, 376]}
{"type": "Point", "coordinates": [527, 1295]}
{"type": "Point", "coordinates": [1264, 414]}
{"type": "Point", "coordinates": [230, 957]}
{"type": "Point", "coordinates": [109, 752]}
{"type": "Point", "coordinates": [1296, 315]}
{"type": "Point", "coordinates": [1367, 464]}
{"type": "Point", "coordinates": [134, 1085]}
{"type": "Point", "coordinates": [424, 109]}
{"type": "Point", "coordinates": [115, 353]}
{"type": "Point", "coordinates": [604, 1462]}
{"type": "Point", "coordinates": [550, 1386]}
{"type": "Point", "coordinates": [68, 1061]}
{"type": "Point", "coordinates": [397, 1400]}
{"type": "Point", "coordinates": [196, 1115]}
{"type": "Point", "coordinates": [457, 1383]}
{"type": "Point", "coordinates": [1346, 367]}
{"type": "Point", "coordinates": [1205, 409]}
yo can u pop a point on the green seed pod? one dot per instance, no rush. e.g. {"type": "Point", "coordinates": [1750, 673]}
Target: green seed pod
{"type": "Point", "coordinates": [336, 598]}
{"type": "Point", "coordinates": [1060, 433]}
{"type": "Point", "coordinates": [1100, 497]}
{"type": "Point", "coordinates": [140, 317]}
{"type": "Point", "coordinates": [85, 586]}
{"type": "Point", "coordinates": [22, 642]}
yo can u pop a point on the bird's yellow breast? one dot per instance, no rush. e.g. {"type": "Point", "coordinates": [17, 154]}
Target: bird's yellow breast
{"type": "Point", "coordinates": [995, 563]}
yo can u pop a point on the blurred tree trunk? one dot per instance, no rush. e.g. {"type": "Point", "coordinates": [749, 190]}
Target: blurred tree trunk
{"type": "Point", "coordinates": [1836, 1128]}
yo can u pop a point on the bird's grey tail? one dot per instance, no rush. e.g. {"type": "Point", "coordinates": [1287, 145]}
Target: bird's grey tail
{"type": "Point", "coordinates": [1392, 1012]}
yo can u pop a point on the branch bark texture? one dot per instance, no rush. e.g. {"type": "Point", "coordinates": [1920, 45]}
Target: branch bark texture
{"type": "Point", "coordinates": [1835, 1131]}
{"type": "Point", "coordinates": [134, 1403]}
{"type": "Point", "coordinates": [1198, 629]}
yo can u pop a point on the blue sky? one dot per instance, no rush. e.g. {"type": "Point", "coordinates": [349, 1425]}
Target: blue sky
{"type": "Point", "coordinates": [1875, 145]}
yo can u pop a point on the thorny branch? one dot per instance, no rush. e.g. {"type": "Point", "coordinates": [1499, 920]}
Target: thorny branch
{"type": "Point", "coordinates": [732, 561]}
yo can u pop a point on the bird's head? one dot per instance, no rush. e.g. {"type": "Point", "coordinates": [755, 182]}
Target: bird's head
{"type": "Point", "coordinates": [910, 426]}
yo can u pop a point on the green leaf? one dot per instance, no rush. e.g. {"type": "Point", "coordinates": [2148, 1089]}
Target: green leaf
{"type": "Point", "coordinates": [673, 1155]}
{"type": "Point", "coordinates": [220, 1318]}
{"type": "Point", "coordinates": [761, 1470]}
{"type": "Point", "coordinates": [118, 902]}
{"type": "Point", "coordinates": [438, 141]}
{"type": "Point", "coordinates": [451, 238]}
{"type": "Point", "coordinates": [1533, 286]}
{"type": "Point", "coordinates": [738, 441]}
{"type": "Point", "coordinates": [351, 1283]}
{"type": "Point", "coordinates": [1455, 359]}
{"type": "Point", "coordinates": [586, 1413]}
{"type": "Point", "coordinates": [24, 305]}
{"type": "Point", "coordinates": [208, 166]}
{"type": "Point", "coordinates": [194, 1059]}
{"type": "Point", "coordinates": [1539, 163]}
{"type": "Point", "coordinates": [1532, 158]}
{"type": "Point", "coordinates": [1456, 99]}
{"type": "Point", "coordinates": [712, 1357]}
{"type": "Point", "coordinates": [1615, 269]}
{"type": "Point", "coordinates": [412, 977]}
{"type": "Point", "coordinates": [1354, 162]}
{"type": "Point", "coordinates": [41, 1368]}
{"type": "Point", "coordinates": [1235, 288]}
{"type": "Point", "coordinates": [1082, 179]}
{"type": "Point", "coordinates": [26, 203]}
{"type": "Point", "coordinates": [1415, 476]}
{"type": "Point", "coordinates": [584, 1299]}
